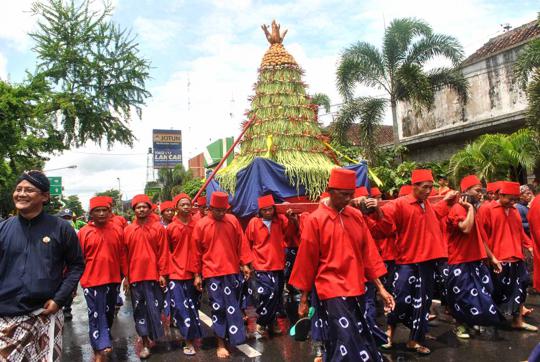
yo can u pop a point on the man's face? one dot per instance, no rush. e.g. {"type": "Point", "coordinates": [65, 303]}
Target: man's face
{"type": "Point", "coordinates": [142, 210]}
{"type": "Point", "coordinates": [184, 207]}
{"type": "Point", "coordinates": [490, 195]}
{"type": "Point", "coordinates": [476, 192]}
{"type": "Point", "coordinates": [100, 215]}
{"type": "Point", "coordinates": [340, 198]}
{"type": "Point", "coordinates": [267, 213]}
{"type": "Point", "coordinates": [443, 182]}
{"type": "Point", "coordinates": [218, 214]}
{"type": "Point", "coordinates": [28, 198]}
{"type": "Point", "coordinates": [168, 215]}
{"type": "Point", "coordinates": [526, 196]}
{"type": "Point", "coordinates": [422, 190]}
{"type": "Point", "coordinates": [508, 201]}
{"type": "Point", "coordinates": [203, 210]}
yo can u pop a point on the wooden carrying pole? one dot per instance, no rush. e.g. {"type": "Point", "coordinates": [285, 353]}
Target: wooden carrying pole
{"type": "Point", "coordinates": [211, 177]}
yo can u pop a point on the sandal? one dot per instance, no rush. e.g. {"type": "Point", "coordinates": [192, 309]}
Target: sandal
{"type": "Point", "coordinates": [189, 350]}
{"type": "Point", "coordinates": [387, 346]}
{"type": "Point", "coordinates": [421, 350]}
{"type": "Point", "coordinates": [526, 327]}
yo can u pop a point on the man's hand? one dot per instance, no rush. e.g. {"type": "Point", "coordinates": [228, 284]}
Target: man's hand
{"type": "Point", "coordinates": [451, 196]}
{"type": "Point", "coordinates": [292, 215]}
{"type": "Point", "coordinates": [125, 285]}
{"type": "Point", "coordinates": [463, 202]}
{"type": "Point", "coordinates": [162, 282]}
{"type": "Point", "coordinates": [357, 201]}
{"type": "Point", "coordinates": [246, 270]}
{"type": "Point", "coordinates": [303, 308]}
{"type": "Point", "coordinates": [197, 282]}
{"type": "Point", "coordinates": [388, 299]}
{"type": "Point", "coordinates": [50, 307]}
{"type": "Point", "coordinates": [496, 265]}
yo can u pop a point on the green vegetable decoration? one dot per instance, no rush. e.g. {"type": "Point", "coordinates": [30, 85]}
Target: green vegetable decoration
{"type": "Point", "coordinates": [285, 127]}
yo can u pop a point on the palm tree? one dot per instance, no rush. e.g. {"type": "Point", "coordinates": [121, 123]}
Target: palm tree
{"type": "Point", "coordinates": [398, 68]}
{"type": "Point", "coordinates": [322, 100]}
{"type": "Point", "coordinates": [170, 181]}
{"type": "Point", "coordinates": [497, 156]}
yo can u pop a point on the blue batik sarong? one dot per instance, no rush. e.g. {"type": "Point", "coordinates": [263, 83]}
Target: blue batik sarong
{"type": "Point", "coordinates": [224, 293]}
{"type": "Point", "coordinates": [510, 287]}
{"type": "Point", "coordinates": [439, 275]}
{"type": "Point", "coordinates": [269, 291]}
{"type": "Point", "coordinates": [413, 292]}
{"type": "Point", "coordinates": [101, 301]}
{"type": "Point", "coordinates": [371, 315]}
{"type": "Point", "coordinates": [469, 297]}
{"type": "Point", "coordinates": [388, 278]}
{"type": "Point", "coordinates": [290, 257]}
{"type": "Point", "coordinates": [147, 300]}
{"type": "Point", "coordinates": [167, 302]}
{"type": "Point", "coordinates": [184, 312]}
{"type": "Point", "coordinates": [319, 325]}
{"type": "Point", "coordinates": [349, 337]}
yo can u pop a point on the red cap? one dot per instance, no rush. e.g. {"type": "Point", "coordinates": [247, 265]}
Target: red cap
{"type": "Point", "coordinates": [420, 175]}
{"type": "Point", "coordinates": [179, 197]}
{"type": "Point", "coordinates": [201, 200]}
{"type": "Point", "coordinates": [99, 201]}
{"type": "Point", "coordinates": [109, 199]}
{"type": "Point", "coordinates": [405, 190]}
{"type": "Point", "coordinates": [375, 192]}
{"type": "Point", "coordinates": [509, 188]}
{"type": "Point", "coordinates": [342, 179]}
{"type": "Point", "coordinates": [469, 181]}
{"type": "Point", "coordinates": [166, 205]}
{"type": "Point", "coordinates": [266, 201]}
{"type": "Point", "coordinates": [360, 191]}
{"type": "Point", "coordinates": [493, 186]}
{"type": "Point", "coordinates": [137, 199]}
{"type": "Point", "coordinates": [219, 200]}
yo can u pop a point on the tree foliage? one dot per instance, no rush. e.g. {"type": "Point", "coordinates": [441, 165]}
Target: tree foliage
{"type": "Point", "coordinates": [73, 203]}
{"type": "Point", "coordinates": [94, 69]}
{"type": "Point", "coordinates": [497, 156]}
{"type": "Point", "coordinates": [322, 100]}
{"type": "Point", "coordinates": [398, 67]}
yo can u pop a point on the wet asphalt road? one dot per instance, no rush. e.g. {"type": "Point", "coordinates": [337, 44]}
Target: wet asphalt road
{"type": "Point", "coordinates": [505, 345]}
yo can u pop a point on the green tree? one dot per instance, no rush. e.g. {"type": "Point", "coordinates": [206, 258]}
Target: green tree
{"type": "Point", "coordinates": [171, 180]}
{"type": "Point", "coordinates": [369, 113]}
{"type": "Point", "coordinates": [322, 100]}
{"type": "Point", "coordinates": [116, 196]}
{"type": "Point", "coordinates": [497, 156]}
{"type": "Point", "coordinates": [191, 187]}
{"type": "Point", "coordinates": [398, 67]}
{"type": "Point", "coordinates": [94, 69]}
{"type": "Point", "coordinates": [73, 203]}
{"type": "Point", "coordinates": [527, 69]}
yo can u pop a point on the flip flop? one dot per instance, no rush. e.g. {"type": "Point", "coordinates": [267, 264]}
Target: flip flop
{"type": "Point", "coordinates": [387, 346]}
{"type": "Point", "coordinates": [301, 329]}
{"type": "Point", "coordinates": [526, 327]}
{"type": "Point", "coordinates": [189, 351]}
{"type": "Point", "coordinates": [421, 350]}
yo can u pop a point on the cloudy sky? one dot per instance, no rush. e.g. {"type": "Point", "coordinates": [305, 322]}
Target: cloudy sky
{"type": "Point", "coordinates": [216, 47]}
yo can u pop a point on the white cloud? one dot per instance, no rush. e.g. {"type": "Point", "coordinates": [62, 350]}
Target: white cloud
{"type": "Point", "coordinates": [157, 33]}
{"type": "Point", "coordinates": [15, 22]}
{"type": "Point", "coordinates": [3, 67]}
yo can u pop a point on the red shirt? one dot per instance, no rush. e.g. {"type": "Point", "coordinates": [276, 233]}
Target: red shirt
{"type": "Point", "coordinates": [534, 226]}
{"type": "Point", "coordinates": [220, 246]}
{"type": "Point", "coordinates": [504, 233]}
{"type": "Point", "coordinates": [337, 253]}
{"type": "Point", "coordinates": [419, 237]}
{"type": "Point", "coordinates": [463, 247]}
{"type": "Point", "coordinates": [267, 245]}
{"type": "Point", "coordinates": [383, 232]}
{"type": "Point", "coordinates": [119, 220]}
{"type": "Point", "coordinates": [154, 218]}
{"type": "Point", "coordinates": [147, 251]}
{"type": "Point", "coordinates": [179, 235]}
{"type": "Point", "coordinates": [104, 254]}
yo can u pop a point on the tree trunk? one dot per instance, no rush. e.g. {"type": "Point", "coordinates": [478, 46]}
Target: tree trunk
{"type": "Point", "coordinates": [393, 105]}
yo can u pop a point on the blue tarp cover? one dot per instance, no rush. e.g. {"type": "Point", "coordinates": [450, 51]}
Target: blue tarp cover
{"type": "Point", "coordinates": [263, 177]}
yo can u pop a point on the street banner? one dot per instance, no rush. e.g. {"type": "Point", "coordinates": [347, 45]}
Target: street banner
{"type": "Point", "coordinates": [56, 186]}
{"type": "Point", "coordinates": [167, 144]}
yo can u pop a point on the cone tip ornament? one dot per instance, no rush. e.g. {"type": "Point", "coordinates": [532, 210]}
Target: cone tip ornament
{"type": "Point", "coordinates": [276, 55]}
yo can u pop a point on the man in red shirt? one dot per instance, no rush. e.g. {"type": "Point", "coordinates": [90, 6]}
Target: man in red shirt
{"type": "Point", "coordinates": [266, 236]}
{"type": "Point", "coordinates": [419, 245]}
{"type": "Point", "coordinates": [148, 265]}
{"type": "Point", "coordinates": [469, 281]}
{"type": "Point", "coordinates": [102, 244]}
{"type": "Point", "coordinates": [201, 210]}
{"type": "Point", "coordinates": [534, 226]}
{"type": "Point", "coordinates": [221, 251]}
{"type": "Point", "coordinates": [506, 238]}
{"type": "Point", "coordinates": [184, 298]}
{"type": "Point", "coordinates": [167, 211]}
{"type": "Point", "coordinates": [337, 255]}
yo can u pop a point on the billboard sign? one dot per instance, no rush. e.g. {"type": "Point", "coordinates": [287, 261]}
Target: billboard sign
{"type": "Point", "coordinates": [167, 148]}
{"type": "Point", "coordinates": [56, 186]}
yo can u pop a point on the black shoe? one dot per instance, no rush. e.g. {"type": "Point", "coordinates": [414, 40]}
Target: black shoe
{"type": "Point", "coordinates": [68, 316]}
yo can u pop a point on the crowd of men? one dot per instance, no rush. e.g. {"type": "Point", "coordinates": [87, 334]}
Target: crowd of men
{"type": "Point", "coordinates": [466, 248]}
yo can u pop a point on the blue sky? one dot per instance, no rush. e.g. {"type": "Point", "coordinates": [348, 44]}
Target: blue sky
{"type": "Point", "coordinates": [218, 46]}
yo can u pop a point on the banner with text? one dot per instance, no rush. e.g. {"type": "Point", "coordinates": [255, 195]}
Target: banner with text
{"type": "Point", "coordinates": [167, 148]}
